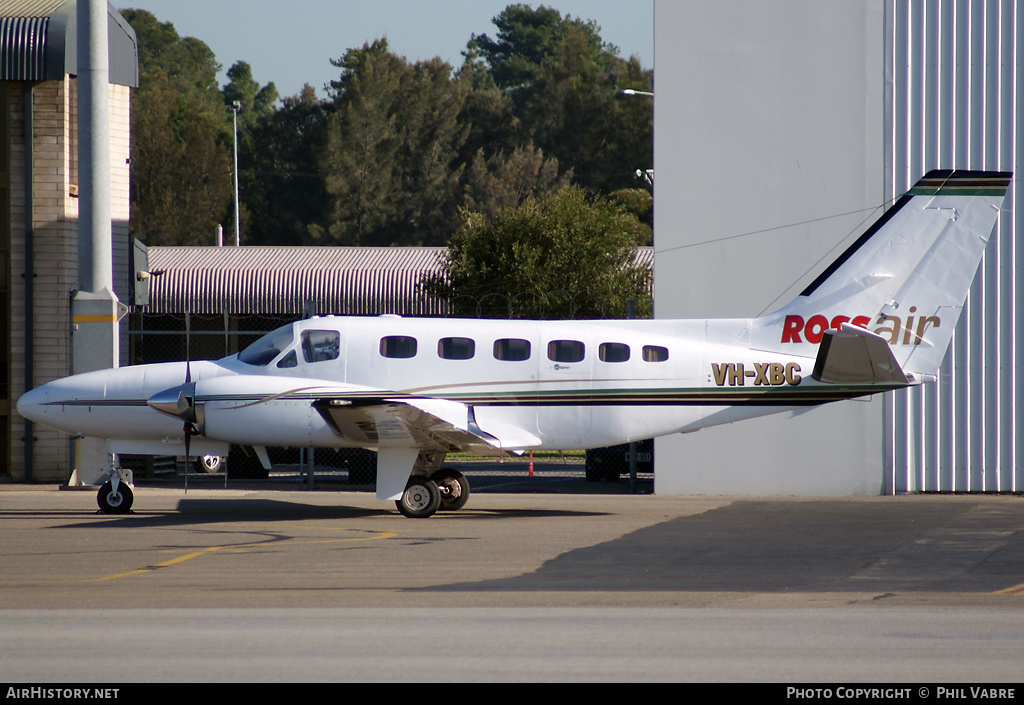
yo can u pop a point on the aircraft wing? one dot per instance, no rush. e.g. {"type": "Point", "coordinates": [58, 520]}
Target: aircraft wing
{"type": "Point", "coordinates": [427, 424]}
{"type": "Point", "coordinates": [855, 355]}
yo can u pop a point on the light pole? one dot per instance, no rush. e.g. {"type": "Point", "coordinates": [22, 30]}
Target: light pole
{"type": "Point", "coordinates": [645, 174]}
{"type": "Point", "coordinates": [235, 107]}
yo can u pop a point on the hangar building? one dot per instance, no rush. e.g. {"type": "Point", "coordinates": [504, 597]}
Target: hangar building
{"type": "Point", "coordinates": [793, 113]}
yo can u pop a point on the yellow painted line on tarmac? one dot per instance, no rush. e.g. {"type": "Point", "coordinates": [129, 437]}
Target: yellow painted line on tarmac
{"type": "Point", "coordinates": [236, 547]}
{"type": "Point", "coordinates": [1014, 590]}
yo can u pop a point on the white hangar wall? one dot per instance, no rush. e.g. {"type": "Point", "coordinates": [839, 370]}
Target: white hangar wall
{"type": "Point", "coordinates": [787, 112]}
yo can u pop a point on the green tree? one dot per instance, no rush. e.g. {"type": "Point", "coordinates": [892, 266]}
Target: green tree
{"type": "Point", "coordinates": [491, 122]}
{"type": "Point", "coordinates": [390, 158]}
{"type": "Point", "coordinates": [282, 189]}
{"type": "Point", "coordinates": [640, 203]}
{"type": "Point", "coordinates": [256, 102]}
{"type": "Point", "coordinates": [579, 116]}
{"type": "Point", "coordinates": [361, 148]}
{"type": "Point", "coordinates": [565, 83]}
{"type": "Point", "coordinates": [526, 39]}
{"type": "Point", "coordinates": [568, 255]}
{"type": "Point", "coordinates": [180, 177]}
{"type": "Point", "coordinates": [189, 64]}
{"type": "Point", "coordinates": [505, 180]}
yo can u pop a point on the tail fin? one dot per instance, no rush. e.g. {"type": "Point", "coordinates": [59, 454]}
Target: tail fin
{"type": "Point", "coordinates": [905, 279]}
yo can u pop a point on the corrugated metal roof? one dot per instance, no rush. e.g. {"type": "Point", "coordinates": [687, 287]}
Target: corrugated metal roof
{"type": "Point", "coordinates": [30, 8]}
{"type": "Point", "coordinates": [23, 48]}
{"type": "Point", "coordinates": [38, 42]}
{"type": "Point", "coordinates": [257, 280]}
{"type": "Point", "coordinates": [341, 280]}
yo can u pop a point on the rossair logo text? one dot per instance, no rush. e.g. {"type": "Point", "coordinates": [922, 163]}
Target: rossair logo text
{"type": "Point", "coordinates": [764, 374]}
{"type": "Point", "coordinates": [898, 331]}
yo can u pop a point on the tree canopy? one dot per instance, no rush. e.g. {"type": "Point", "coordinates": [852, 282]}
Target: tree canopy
{"type": "Point", "coordinates": [180, 177]}
{"type": "Point", "coordinates": [567, 255]}
{"type": "Point", "coordinates": [522, 159]}
{"type": "Point", "coordinates": [396, 148]}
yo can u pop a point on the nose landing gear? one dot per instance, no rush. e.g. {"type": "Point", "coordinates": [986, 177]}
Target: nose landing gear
{"type": "Point", "coordinates": [115, 495]}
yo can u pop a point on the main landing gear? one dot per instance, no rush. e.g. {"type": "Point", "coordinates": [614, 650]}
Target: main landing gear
{"type": "Point", "coordinates": [445, 490]}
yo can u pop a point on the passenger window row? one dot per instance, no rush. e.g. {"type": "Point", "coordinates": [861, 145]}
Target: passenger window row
{"type": "Point", "coordinates": [518, 350]}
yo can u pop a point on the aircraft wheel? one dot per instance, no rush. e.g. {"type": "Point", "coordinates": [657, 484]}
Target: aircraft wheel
{"type": "Point", "coordinates": [207, 463]}
{"type": "Point", "coordinates": [454, 488]}
{"type": "Point", "coordinates": [111, 502]}
{"type": "Point", "coordinates": [420, 499]}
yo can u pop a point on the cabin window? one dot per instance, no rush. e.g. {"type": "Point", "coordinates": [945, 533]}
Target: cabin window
{"type": "Point", "coordinates": [456, 348]}
{"type": "Point", "coordinates": [565, 350]}
{"type": "Point", "coordinates": [264, 350]}
{"type": "Point", "coordinates": [398, 346]}
{"type": "Point", "coordinates": [320, 345]}
{"type": "Point", "coordinates": [613, 352]}
{"type": "Point", "coordinates": [512, 349]}
{"type": "Point", "coordinates": [655, 353]}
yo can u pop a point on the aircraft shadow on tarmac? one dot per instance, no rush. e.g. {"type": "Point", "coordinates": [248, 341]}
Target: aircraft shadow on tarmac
{"type": "Point", "coordinates": [765, 546]}
{"type": "Point", "coordinates": [210, 511]}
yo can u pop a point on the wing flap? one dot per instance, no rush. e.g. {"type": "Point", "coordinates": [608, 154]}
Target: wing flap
{"type": "Point", "coordinates": [855, 355]}
{"type": "Point", "coordinates": [428, 424]}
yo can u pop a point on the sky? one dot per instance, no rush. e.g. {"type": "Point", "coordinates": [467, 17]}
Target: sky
{"type": "Point", "coordinates": [292, 42]}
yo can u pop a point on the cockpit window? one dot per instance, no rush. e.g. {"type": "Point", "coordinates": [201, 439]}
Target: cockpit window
{"type": "Point", "coordinates": [320, 345]}
{"type": "Point", "coordinates": [289, 360]}
{"type": "Point", "coordinates": [264, 350]}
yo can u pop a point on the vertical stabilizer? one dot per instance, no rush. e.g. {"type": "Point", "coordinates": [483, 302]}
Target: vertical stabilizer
{"type": "Point", "coordinates": [905, 279]}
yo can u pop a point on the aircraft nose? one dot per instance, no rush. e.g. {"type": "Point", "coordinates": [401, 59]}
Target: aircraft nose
{"type": "Point", "coordinates": [32, 404]}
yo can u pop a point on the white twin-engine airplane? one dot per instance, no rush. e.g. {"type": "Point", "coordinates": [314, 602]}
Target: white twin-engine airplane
{"type": "Point", "coordinates": [879, 317]}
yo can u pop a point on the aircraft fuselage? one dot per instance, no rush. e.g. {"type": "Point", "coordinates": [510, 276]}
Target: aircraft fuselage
{"type": "Point", "coordinates": [561, 384]}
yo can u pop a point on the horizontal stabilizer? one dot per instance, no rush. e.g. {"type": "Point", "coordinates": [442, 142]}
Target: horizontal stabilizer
{"type": "Point", "coordinates": [855, 355]}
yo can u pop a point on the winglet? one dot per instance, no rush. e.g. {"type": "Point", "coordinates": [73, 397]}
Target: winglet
{"type": "Point", "coordinates": [855, 355]}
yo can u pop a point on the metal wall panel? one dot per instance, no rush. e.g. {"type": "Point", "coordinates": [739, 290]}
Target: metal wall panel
{"type": "Point", "coordinates": [952, 70]}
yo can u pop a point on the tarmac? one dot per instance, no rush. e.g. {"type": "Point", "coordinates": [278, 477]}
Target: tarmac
{"type": "Point", "coordinates": [557, 580]}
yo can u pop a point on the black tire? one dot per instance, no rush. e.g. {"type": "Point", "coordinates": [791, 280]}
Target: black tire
{"type": "Point", "coordinates": [208, 464]}
{"type": "Point", "coordinates": [111, 502]}
{"type": "Point", "coordinates": [453, 487]}
{"type": "Point", "coordinates": [420, 500]}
